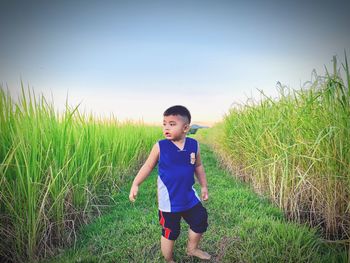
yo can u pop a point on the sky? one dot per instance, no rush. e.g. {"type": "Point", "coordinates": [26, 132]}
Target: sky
{"type": "Point", "coordinates": [134, 59]}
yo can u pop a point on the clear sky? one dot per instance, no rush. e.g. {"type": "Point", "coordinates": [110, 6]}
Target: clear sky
{"type": "Point", "coordinates": [136, 58]}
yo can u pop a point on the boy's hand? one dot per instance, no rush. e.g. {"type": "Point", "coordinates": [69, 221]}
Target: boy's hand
{"type": "Point", "coordinates": [133, 193]}
{"type": "Point", "coordinates": [204, 193]}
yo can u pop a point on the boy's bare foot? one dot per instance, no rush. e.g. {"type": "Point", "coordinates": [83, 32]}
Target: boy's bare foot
{"type": "Point", "coordinates": [199, 254]}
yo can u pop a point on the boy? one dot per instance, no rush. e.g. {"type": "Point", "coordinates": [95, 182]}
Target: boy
{"type": "Point", "coordinates": [178, 159]}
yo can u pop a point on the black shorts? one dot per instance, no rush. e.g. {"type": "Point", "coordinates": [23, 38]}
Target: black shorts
{"type": "Point", "coordinates": [196, 217]}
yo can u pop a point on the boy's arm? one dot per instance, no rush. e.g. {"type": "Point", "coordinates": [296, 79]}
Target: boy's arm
{"type": "Point", "coordinates": [145, 170]}
{"type": "Point", "coordinates": [200, 174]}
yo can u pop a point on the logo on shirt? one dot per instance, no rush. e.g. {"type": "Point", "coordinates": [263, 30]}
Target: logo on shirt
{"type": "Point", "coordinates": [193, 158]}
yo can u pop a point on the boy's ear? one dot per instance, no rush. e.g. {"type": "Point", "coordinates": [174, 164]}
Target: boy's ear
{"type": "Point", "coordinates": [187, 127]}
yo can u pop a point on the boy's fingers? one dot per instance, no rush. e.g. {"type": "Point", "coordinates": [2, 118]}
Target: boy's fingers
{"type": "Point", "coordinates": [133, 194]}
{"type": "Point", "coordinates": [205, 196]}
{"type": "Point", "coordinates": [132, 197]}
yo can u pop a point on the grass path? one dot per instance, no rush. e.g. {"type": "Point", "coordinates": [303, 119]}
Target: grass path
{"type": "Point", "coordinates": [243, 227]}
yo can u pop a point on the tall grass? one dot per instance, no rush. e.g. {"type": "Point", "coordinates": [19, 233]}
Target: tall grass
{"type": "Point", "coordinates": [296, 149]}
{"type": "Point", "coordinates": [57, 171]}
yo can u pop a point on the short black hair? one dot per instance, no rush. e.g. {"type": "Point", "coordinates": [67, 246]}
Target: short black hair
{"type": "Point", "coordinates": [178, 110]}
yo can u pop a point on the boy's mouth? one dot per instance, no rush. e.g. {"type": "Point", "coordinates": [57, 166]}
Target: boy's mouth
{"type": "Point", "coordinates": [167, 134]}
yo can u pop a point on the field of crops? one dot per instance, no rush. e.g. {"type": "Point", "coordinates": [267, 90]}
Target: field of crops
{"type": "Point", "coordinates": [295, 149]}
{"type": "Point", "coordinates": [58, 171]}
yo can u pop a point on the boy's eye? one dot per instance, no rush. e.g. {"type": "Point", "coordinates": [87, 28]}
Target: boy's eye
{"type": "Point", "coordinates": [171, 124]}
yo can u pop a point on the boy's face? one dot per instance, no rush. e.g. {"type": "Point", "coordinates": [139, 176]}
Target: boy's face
{"type": "Point", "coordinates": [175, 127]}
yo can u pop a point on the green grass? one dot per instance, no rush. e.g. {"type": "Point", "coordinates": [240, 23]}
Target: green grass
{"type": "Point", "coordinates": [243, 227]}
{"type": "Point", "coordinates": [296, 149]}
{"type": "Point", "coordinates": [57, 171]}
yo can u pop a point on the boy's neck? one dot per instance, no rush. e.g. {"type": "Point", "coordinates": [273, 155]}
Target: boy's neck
{"type": "Point", "coordinates": [180, 143]}
{"type": "Point", "coordinates": [180, 140]}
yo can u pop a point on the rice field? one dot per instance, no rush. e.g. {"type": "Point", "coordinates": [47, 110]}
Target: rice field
{"type": "Point", "coordinates": [58, 171]}
{"type": "Point", "coordinates": [295, 149]}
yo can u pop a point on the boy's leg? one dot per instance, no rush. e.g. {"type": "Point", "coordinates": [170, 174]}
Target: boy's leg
{"type": "Point", "coordinates": [167, 247]}
{"type": "Point", "coordinates": [197, 218]}
{"type": "Point", "coordinates": [170, 231]}
{"type": "Point", "coordinates": [192, 246]}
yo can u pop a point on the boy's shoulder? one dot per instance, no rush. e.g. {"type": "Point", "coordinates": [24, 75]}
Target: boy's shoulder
{"type": "Point", "coordinates": [191, 139]}
{"type": "Point", "coordinates": [161, 142]}
{"type": "Point", "coordinates": [193, 143]}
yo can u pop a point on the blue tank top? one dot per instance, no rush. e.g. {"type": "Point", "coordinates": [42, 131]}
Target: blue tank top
{"type": "Point", "coordinates": [176, 176]}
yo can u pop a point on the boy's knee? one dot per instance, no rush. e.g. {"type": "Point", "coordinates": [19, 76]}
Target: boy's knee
{"type": "Point", "coordinates": [170, 224]}
{"type": "Point", "coordinates": [200, 224]}
{"type": "Point", "coordinates": [200, 227]}
{"type": "Point", "coordinates": [170, 234]}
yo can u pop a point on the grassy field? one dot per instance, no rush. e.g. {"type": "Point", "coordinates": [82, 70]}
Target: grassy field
{"type": "Point", "coordinates": [61, 173]}
{"type": "Point", "coordinates": [244, 227]}
{"type": "Point", "coordinates": [58, 171]}
{"type": "Point", "coordinates": [295, 149]}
